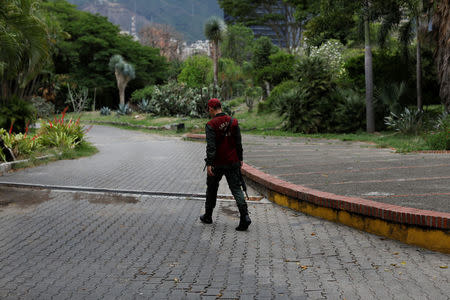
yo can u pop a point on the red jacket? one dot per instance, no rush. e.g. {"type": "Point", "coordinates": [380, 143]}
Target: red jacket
{"type": "Point", "coordinates": [223, 147]}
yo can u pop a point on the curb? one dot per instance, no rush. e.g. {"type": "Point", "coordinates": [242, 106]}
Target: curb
{"type": "Point", "coordinates": [6, 167]}
{"type": "Point", "coordinates": [167, 127]}
{"type": "Point", "coordinates": [424, 228]}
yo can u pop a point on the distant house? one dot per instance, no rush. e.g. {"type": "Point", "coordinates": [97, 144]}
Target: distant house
{"type": "Point", "coordinates": [289, 31]}
{"type": "Point", "coordinates": [198, 47]}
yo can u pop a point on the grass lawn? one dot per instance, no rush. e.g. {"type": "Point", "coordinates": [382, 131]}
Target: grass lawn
{"type": "Point", "coordinates": [259, 124]}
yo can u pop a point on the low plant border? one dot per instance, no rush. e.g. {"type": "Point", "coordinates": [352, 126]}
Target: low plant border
{"type": "Point", "coordinates": [7, 166]}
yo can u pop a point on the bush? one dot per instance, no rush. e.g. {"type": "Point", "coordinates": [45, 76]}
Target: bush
{"type": "Point", "coordinates": [105, 111]}
{"type": "Point", "coordinates": [331, 51]}
{"type": "Point", "coordinates": [19, 143]}
{"type": "Point", "coordinates": [145, 93]}
{"type": "Point", "coordinates": [61, 134]}
{"type": "Point", "coordinates": [123, 110]}
{"type": "Point", "coordinates": [252, 94]}
{"type": "Point", "coordinates": [350, 113]}
{"type": "Point", "coordinates": [272, 101]}
{"type": "Point", "coordinates": [439, 140]}
{"type": "Point", "coordinates": [175, 99]}
{"type": "Point", "coordinates": [16, 113]}
{"type": "Point", "coordinates": [44, 108]}
{"type": "Point", "coordinates": [309, 107]}
{"type": "Point", "coordinates": [144, 106]}
{"type": "Point", "coordinates": [196, 72]}
{"type": "Point", "coordinates": [408, 122]}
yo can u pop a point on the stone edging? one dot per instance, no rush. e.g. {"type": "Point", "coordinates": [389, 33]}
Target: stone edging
{"type": "Point", "coordinates": [429, 229]}
{"type": "Point", "coordinates": [166, 127]}
{"type": "Point", "coordinates": [7, 166]}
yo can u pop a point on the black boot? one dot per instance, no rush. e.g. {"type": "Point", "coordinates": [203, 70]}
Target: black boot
{"type": "Point", "coordinates": [244, 220]}
{"type": "Point", "coordinates": [207, 217]}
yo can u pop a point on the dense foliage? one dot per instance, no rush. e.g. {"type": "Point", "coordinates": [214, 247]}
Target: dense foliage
{"type": "Point", "coordinates": [83, 53]}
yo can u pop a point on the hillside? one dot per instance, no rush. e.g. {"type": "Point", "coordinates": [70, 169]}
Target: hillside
{"type": "Point", "coordinates": [187, 16]}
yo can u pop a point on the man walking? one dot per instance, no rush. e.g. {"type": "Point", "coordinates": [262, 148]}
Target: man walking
{"type": "Point", "coordinates": [223, 157]}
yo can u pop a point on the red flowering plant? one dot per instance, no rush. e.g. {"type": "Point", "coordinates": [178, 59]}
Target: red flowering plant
{"type": "Point", "coordinates": [62, 133]}
{"type": "Point", "coordinates": [57, 133]}
{"type": "Point", "coordinates": [19, 143]}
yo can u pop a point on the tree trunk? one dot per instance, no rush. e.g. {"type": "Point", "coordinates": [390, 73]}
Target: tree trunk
{"type": "Point", "coordinates": [121, 85]}
{"type": "Point", "coordinates": [418, 70]}
{"type": "Point", "coordinates": [215, 60]}
{"type": "Point", "coordinates": [441, 28]}
{"type": "Point", "coordinates": [370, 115]}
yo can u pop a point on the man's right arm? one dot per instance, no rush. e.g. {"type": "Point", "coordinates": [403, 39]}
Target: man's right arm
{"type": "Point", "coordinates": [210, 145]}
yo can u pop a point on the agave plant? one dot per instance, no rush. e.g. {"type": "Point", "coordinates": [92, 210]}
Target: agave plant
{"type": "Point", "coordinates": [408, 122]}
{"type": "Point", "coordinates": [105, 111]}
{"type": "Point", "coordinates": [144, 106]}
{"type": "Point", "coordinates": [124, 109]}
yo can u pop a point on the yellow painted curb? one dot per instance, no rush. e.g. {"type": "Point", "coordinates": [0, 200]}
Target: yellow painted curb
{"type": "Point", "coordinates": [433, 239]}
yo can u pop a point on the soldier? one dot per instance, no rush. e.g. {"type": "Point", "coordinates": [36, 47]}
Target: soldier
{"type": "Point", "coordinates": [223, 157]}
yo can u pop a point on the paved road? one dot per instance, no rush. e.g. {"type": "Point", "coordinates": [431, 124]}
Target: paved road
{"type": "Point", "coordinates": [355, 169]}
{"type": "Point", "coordinates": [128, 160]}
{"type": "Point", "coordinates": [65, 245]}
{"type": "Point", "coordinates": [60, 245]}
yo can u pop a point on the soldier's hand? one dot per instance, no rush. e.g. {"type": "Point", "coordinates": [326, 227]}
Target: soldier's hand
{"type": "Point", "coordinates": [209, 171]}
{"type": "Point", "coordinates": [242, 163]}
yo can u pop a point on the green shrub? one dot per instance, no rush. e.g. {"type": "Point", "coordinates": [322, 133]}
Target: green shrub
{"type": "Point", "coordinates": [105, 111]}
{"type": "Point", "coordinates": [408, 122]}
{"type": "Point", "coordinates": [309, 107]}
{"type": "Point", "coordinates": [275, 94]}
{"type": "Point", "coordinates": [439, 140]}
{"type": "Point", "coordinates": [197, 71]}
{"type": "Point", "coordinates": [19, 143]}
{"type": "Point", "coordinates": [123, 110]}
{"type": "Point", "coordinates": [252, 94]}
{"type": "Point", "coordinates": [175, 99]}
{"type": "Point", "coordinates": [60, 133]}
{"type": "Point", "coordinates": [18, 112]}
{"type": "Point", "coordinates": [350, 113]}
{"type": "Point", "coordinates": [236, 102]}
{"type": "Point", "coordinates": [44, 108]}
{"type": "Point", "coordinates": [145, 93]}
{"type": "Point", "coordinates": [144, 106]}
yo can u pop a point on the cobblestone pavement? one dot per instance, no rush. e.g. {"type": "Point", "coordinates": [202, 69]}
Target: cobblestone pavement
{"type": "Point", "coordinates": [415, 180]}
{"type": "Point", "coordinates": [65, 245]}
{"type": "Point", "coordinates": [128, 160]}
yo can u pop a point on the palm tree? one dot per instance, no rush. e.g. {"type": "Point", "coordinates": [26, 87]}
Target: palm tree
{"type": "Point", "coordinates": [370, 114]}
{"type": "Point", "coordinates": [215, 29]}
{"type": "Point", "coordinates": [441, 27]}
{"type": "Point", "coordinates": [25, 45]}
{"type": "Point", "coordinates": [416, 26]}
{"type": "Point", "coordinates": [124, 73]}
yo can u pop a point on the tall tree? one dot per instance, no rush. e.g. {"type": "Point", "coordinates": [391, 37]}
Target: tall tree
{"type": "Point", "coordinates": [124, 73]}
{"type": "Point", "coordinates": [412, 16]}
{"type": "Point", "coordinates": [368, 68]}
{"type": "Point", "coordinates": [441, 28]}
{"type": "Point", "coordinates": [281, 16]}
{"type": "Point", "coordinates": [24, 45]}
{"type": "Point", "coordinates": [238, 43]}
{"type": "Point", "coordinates": [215, 29]}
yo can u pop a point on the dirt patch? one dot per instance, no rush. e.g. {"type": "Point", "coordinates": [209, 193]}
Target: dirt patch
{"type": "Point", "coordinates": [106, 198]}
{"type": "Point", "coordinates": [23, 198]}
{"type": "Point", "coordinates": [230, 212]}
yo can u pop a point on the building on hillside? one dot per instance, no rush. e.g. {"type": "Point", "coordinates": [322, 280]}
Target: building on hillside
{"type": "Point", "coordinates": [198, 47]}
{"type": "Point", "coordinates": [291, 28]}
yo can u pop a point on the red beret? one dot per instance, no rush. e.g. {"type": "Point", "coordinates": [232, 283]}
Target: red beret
{"type": "Point", "coordinates": [214, 103]}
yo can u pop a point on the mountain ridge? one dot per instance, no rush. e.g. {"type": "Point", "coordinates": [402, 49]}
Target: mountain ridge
{"type": "Point", "coordinates": [186, 16]}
